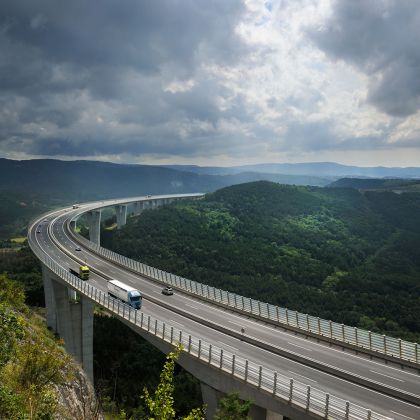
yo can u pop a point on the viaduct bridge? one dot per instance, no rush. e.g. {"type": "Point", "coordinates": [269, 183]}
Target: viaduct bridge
{"type": "Point", "coordinates": [288, 363]}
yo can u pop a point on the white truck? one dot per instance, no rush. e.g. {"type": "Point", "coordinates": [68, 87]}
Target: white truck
{"type": "Point", "coordinates": [127, 294]}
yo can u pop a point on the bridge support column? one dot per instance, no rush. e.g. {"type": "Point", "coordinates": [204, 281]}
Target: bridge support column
{"type": "Point", "coordinates": [271, 415]}
{"type": "Point", "coordinates": [121, 212]}
{"type": "Point", "coordinates": [72, 320]}
{"type": "Point", "coordinates": [73, 225]}
{"type": "Point", "coordinates": [94, 220]}
{"type": "Point", "coordinates": [138, 207]}
{"type": "Point", "coordinates": [211, 398]}
{"type": "Point", "coordinates": [49, 298]}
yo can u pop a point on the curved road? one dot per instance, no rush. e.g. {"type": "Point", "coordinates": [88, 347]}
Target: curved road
{"type": "Point", "coordinates": [55, 241]}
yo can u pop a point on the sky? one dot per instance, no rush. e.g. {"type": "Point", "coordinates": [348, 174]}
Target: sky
{"type": "Point", "coordinates": [211, 82]}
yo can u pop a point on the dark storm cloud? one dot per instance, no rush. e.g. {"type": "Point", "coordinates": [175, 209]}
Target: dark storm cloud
{"type": "Point", "coordinates": [142, 34]}
{"type": "Point", "coordinates": [66, 65]}
{"type": "Point", "coordinates": [380, 38]}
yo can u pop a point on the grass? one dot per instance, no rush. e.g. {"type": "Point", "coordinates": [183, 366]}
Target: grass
{"type": "Point", "coordinates": [18, 240]}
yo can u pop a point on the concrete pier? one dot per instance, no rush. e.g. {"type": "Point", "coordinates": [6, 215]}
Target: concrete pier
{"type": "Point", "coordinates": [212, 397]}
{"type": "Point", "coordinates": [121, 212]}
{"type": "Point", "coordinates": [94, 221]}
{"type": "Point", "coordinates": [71, 319]}
{"type": "Point", "coordinates": [138, 207]}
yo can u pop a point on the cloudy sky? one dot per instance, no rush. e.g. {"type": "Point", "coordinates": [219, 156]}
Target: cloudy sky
{"type": "Point", "coordinates": [211, 82]}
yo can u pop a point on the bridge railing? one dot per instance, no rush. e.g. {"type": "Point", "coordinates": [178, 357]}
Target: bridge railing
{"type": "Point", "coordinates": [353, 336]}
{"type": "Point", "coordinates": [288, 390]}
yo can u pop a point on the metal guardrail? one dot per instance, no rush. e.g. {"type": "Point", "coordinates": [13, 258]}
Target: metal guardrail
{"type": "Point", "coordinates": [363, 339]}
{"type": "Point", "coordinates": [288, 390]}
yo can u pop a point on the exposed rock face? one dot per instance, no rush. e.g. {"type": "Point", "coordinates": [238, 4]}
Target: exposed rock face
{"type": "Point", "coordinates": [77, 399]}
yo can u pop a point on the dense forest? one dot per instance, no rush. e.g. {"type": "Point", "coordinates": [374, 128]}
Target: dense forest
{"type": "Point", "coordinates": [336, 253]}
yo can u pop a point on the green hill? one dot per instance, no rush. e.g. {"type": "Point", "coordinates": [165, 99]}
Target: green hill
{"type": "Point", "coordinates": [337, 253]}
{"type": "Point", "coordinates": [383, 184]}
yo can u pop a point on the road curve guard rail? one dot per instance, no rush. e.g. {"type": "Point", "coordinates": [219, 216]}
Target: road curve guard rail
{"type": "Point", "coordinates": [295, 393]}
{"type": "Point", "coordinates": [391, 348]}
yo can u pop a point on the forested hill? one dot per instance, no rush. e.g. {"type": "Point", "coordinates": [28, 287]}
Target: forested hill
{"type": "Point", "coordinates": [395, 185]}
{"type": "Point", "coordinates": [337, 253]}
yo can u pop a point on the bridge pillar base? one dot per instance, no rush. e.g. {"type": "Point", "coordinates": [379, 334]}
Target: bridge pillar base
{"type": "Point", "coordinates": [94, 220]}
{"type": "Point", "coordinates": [72, 319]}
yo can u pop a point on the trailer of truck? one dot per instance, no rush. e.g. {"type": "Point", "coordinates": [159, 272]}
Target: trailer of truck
{"type": "Point", "coordinates": [83, 272]}
{"type": "Point", "coordinates": [127, 294]}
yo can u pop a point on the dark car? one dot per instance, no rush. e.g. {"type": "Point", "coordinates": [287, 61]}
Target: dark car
{"type": "Point", "coordinates": [168, 291]}
{"type": "Point", "coordinates": [77, 249]}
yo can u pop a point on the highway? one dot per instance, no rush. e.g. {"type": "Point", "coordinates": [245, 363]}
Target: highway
{"type": "Point", "coordinates": [398, 386]}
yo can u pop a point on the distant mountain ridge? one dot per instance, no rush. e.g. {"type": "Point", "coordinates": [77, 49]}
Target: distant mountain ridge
{"type": "Point", "coordinates": [86, 180]}
{"type": "Point", "coordinates": [322, 169]}
{"type": "Point", "coordinates": [389, 184]}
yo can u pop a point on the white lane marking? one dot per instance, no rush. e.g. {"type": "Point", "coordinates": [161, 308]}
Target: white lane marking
{"type": "Point", "coordinates": [199, 303]}
{"type": "Point", "coordinates": [227, 345]}
{"type": "Point", "coordinates": [344, 380]}
{"type": "Point", "coordinates": [296, 345]}
{"type": "Point", "coordinates": [402, 415]}
{"type": "Point", "coordinates": [383, 374]}
{"type": "Point", "coordinates": [171, 321]}
{"type": "Point", "coordinates": [308, 379]}
{"type": "Point", "coordinates": [191, 306]}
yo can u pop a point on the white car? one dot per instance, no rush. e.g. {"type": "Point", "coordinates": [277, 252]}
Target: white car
{"type": "Point", "coordinates": [168, 291]}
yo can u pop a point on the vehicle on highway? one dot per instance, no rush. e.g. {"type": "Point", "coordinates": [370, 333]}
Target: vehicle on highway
{"type": "Point", "coordinates": [83, 272]}
{"type": "Point", "coordinates": [168, 291]}
{"type": "Point", "coordinates": [117, 289]}
{"type": "Point", "coordinates": [77, 249]}
{"type": "Point", "coordinates": [75, 206]}
{"type": "Point", "coordinates": [38, 231]}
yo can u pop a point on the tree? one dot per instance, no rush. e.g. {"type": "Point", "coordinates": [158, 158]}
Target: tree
{"type": "Point", "coordinates": [232, 407]}
{"type": "Point", "coordinates": [12, 329]}
{"type": "Point", "coordinates": [161, 404]}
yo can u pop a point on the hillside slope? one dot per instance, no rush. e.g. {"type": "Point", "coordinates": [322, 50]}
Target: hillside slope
{"type": "Point", "coordinates": [37, 378]}
{"type": "Point", "coordinates": [335, 253]}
